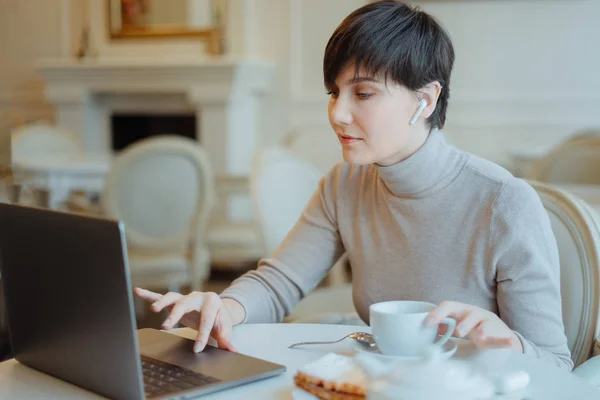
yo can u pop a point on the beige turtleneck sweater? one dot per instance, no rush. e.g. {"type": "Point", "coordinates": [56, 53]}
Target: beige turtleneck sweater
{"type": "Point", "coordinates": [440, 225]}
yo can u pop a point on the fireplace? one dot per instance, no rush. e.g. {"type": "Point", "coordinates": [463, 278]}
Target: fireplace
{"type": "Point", "coordinates": [220, 99]}
{"type": "Point", "coordinates": [128, 128]}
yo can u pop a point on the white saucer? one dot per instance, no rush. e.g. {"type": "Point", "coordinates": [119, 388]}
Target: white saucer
{"type": "Point", "coordinates": [448, 350]}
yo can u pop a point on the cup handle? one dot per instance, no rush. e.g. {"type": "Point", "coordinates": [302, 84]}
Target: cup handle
{"type": "Point", "coordinates": [451, 326]}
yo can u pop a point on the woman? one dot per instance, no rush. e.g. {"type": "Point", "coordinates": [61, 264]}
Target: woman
{"type": "Point", "coordinates": [419, 219]}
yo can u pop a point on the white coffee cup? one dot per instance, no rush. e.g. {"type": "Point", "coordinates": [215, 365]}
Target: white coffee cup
{"type": "Point", "coordinates": [398, 329]}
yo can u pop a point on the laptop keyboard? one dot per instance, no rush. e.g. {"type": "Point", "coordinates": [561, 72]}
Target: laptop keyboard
{"type": "Point", "coordinates": [161, 378]}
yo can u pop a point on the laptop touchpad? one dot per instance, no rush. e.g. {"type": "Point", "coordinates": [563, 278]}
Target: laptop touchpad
{"type": "Point", "coordinates": [212, 361]}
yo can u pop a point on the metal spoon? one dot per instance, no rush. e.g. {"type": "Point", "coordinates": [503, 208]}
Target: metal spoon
{"type": "Point", "coordinates": [363, 338]}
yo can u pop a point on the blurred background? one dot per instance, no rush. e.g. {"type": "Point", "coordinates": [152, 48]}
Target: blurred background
{"type": "Point", "coordinates": [202, 124]}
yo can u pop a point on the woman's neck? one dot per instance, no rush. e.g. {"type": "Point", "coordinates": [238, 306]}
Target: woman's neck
{"type": "Point", "coordinates": [428, 168]}
{"type": "Point", "coordinates": [417, 138]}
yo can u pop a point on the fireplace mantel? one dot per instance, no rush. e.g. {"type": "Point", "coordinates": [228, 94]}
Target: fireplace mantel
{"type": "Point", "coordinates": [205, 80]}
{"type": "Point", "coordinates": [224, 94]}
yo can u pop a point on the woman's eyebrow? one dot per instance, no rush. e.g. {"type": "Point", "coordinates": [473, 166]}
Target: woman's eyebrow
{"type": "Point", "coordinates": [359, 79]}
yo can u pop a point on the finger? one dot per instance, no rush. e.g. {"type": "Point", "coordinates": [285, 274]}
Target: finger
{"type": "Point", "coordinates": [165, 301]}
{"type": "Point", "coordinates": [442, 329]}
{"type": "Point", "coordinates": [183, 306]}
{"type": "Point", "coordinates": [495, 343]}
{"type": "Point", "coordinates": [208, 315]}
{"type": "Point", "coordinates": [147, 295]}
{"type": "Point", "coordinates": [481, 341]}
{"type": "Point", "coordinates": [222, 334]}
{"type": "Point", "coordinates": [477, 335]}
{"type": "Point", "coordinates": [225, 343]}
{"type": "Point", "coordinates": [444, 310]}
{"type": "Point", "coordinates": [469, 321]}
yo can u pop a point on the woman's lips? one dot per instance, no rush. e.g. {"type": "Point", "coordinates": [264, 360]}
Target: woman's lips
{"type": "Point", "coordinates": [348, 139]}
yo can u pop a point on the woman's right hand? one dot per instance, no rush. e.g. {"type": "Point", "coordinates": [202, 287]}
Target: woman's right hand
{"type": "Point", "coordinates": [204, 311]}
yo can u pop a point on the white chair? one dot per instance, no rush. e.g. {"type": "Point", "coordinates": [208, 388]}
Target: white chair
{"type": "Point", "coordinates": [576, 227]}
{"type": "Point", "coordinates": [281, 186]}
{"type": "Point", "coordinates": [41, 139]}
{"type": "Point", "coordinates": [162, 189]}
{"type": "Point", "coordinates": [575, 161]}
{"type": "Point", "coordinates": [319, 148]}
{"type": "Point", "coordinates": [38, 140]}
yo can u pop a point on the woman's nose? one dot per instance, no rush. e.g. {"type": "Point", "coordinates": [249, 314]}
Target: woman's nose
{"type": "Point", "coordinates": [340, 113]}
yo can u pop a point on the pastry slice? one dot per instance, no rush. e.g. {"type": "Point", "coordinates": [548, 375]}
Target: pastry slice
{"type": "Point", "coordinates": [333, 377]}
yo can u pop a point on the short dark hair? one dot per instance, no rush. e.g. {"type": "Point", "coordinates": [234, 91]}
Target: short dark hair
{"type": "Point", "coordinates": [398, 42]}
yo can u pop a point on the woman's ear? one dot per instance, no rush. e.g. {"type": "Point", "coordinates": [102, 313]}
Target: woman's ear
{"type": "Point", "coordinates": [430, 93]}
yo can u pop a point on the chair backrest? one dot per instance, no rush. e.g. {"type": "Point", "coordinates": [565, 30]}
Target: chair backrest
{"type": "Point", "coordinates": [42, 139]}
{"type": "Point", "coordinates": [575, 161]}
{"type": "Point", "coordinates": [586, 133]}
{"type": "Point", "coordinates": [162, 189]}
{"type": "Point", "coordinates": [577, 230]}
{"type": "Point", "coordinates": [320, 149]}
{"type": "Point", "coordinates": [280, 187]}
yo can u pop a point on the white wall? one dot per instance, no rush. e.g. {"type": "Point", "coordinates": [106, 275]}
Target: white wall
{"type": "Point", "coordinates": [28, 30]}
{"type": "Point", "coordinates": [526, 70]}
{"type": "Point", "coordinates": [31, 30]}
{"type": "Point", "coordinates": [294, 34]}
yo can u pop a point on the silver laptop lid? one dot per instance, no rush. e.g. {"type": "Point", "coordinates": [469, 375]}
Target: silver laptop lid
{"type": "Point", "coordinates": [69, 300]}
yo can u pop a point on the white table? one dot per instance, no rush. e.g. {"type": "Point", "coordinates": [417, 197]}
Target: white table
{"type": "Point", "coordinates": [59, 175]}
{"type": "Point", "coordinates": [270, 342]}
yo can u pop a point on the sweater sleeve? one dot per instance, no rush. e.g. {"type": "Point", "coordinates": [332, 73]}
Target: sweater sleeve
{"type": "Point", "coordinates": [301, 261]}
{"type": "Point", "coordinates": [525, 256]}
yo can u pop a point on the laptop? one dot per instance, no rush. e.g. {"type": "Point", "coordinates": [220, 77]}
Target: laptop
{"type": "Point", "coordinates": [70, 311]}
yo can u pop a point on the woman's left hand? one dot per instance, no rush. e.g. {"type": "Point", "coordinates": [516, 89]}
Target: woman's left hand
{"type": "Point", "coordinates": [484, 328]}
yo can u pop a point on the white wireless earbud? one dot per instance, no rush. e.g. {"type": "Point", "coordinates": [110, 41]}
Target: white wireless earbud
{"type": "Point", "coordinates": [422, 105]}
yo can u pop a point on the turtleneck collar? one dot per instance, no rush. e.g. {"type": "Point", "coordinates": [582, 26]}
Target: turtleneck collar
{"type": "Point", "coordinates": [431, 167]}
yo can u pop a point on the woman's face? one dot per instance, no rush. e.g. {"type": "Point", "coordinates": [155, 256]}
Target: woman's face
{"type": "Point", "coordinates": [371, 119]}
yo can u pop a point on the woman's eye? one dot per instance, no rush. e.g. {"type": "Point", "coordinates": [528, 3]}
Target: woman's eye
{"type": "Point", "coordinates": [364, 96]}
{"type": "Point", "coordinates": [332, 93]}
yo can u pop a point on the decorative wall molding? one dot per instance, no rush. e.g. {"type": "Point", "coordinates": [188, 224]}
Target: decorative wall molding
{"type": "Point", "coordinates": [220, 80]}
{"type": "Point", "coordinates": [541, 112]}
